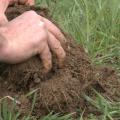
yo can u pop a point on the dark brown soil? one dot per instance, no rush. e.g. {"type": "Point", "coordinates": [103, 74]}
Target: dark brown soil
{"type": "Point", "coordinates": [61, 89]}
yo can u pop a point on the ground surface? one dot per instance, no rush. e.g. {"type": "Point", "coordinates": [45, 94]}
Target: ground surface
{"type": "Point", "coordinates": [60, 90]}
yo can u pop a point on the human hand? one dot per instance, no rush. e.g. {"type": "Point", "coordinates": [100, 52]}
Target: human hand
{"type": "Point", "coordinates": [29, 35]}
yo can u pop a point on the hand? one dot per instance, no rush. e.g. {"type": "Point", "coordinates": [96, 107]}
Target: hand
{"type": "Point", "coordinates": [29, 35]}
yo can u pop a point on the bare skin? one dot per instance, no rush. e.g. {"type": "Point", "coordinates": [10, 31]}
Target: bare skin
{"type": "Point", "coordinates": [20, 40]}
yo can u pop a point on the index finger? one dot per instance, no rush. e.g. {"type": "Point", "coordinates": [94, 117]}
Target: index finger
{"type": "Point", "coordinates": [54, 30]}
{"type": "Point", "coordinates": [56, 47]}
{"type": "Point", "coordinates": [30, 2]}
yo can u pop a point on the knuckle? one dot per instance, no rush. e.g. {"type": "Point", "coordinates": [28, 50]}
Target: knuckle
{"type": "Point", "coordinates": [61, 52]}
{"type": "Point", "coordinates": [32, 13]}
{"type": "Point", "coordinates": [42, 24]}
{"type": "Point", "coordinates": [57, 45]}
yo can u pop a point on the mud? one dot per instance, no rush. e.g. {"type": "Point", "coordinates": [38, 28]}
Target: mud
{"type": "Point", "coordinates": [61, 89]}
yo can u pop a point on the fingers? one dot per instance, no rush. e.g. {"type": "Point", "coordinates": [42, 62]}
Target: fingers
{"type": "Point", "coordinates": [56, 47]}
{"type": "Point", "coordinates": [54, 30]}
{"type": "Point", "coordinates": [12, 2]}
{"type": "Point", "coordinates": [22, 1]}
{"type": "Point", "coordinates": [30, 2]}
{"type": "Point", "coordinates": [27, 2]}
{"type": "Point", "coordinates": [46, 58]}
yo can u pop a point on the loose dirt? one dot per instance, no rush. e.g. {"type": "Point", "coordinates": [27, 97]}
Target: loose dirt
{"type": "Point", "coordinates": [61, 89]}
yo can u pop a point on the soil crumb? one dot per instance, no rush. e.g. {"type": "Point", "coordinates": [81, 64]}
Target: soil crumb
{"type": "Point", "coordinates": [60, 90]}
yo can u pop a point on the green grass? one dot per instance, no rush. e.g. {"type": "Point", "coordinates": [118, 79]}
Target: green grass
{"type": "Point", "coordinates": [96, 25]}
{"type": "Point", "coordinates": [108, 110]}
{"type": "Point", "coordinates": [93, 23]}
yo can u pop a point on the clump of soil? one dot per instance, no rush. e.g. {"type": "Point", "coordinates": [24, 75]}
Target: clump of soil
{"type": "Point", "coordinates": [61, 89]}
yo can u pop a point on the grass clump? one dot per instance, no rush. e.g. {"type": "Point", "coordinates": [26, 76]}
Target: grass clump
{"type": "Point", "coordinates": [93, 23]}
{"type": "Point", "coordinates": [107, 110]}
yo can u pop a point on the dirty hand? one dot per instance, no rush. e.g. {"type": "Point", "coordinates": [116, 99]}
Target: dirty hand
{"type": "Point", "coordinates": [29, 35]}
